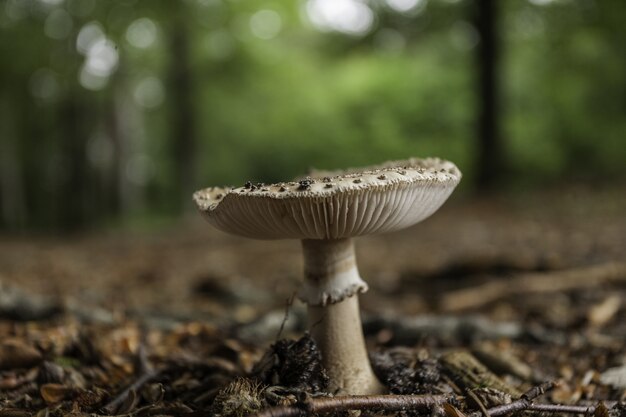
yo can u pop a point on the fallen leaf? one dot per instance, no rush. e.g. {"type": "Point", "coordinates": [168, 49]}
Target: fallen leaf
{"type": "Point", "coordinates": [14, 412]}
{"type": "Point", "coordinates": [89, 398]}
{"type": "Point", "coordinates": [43, 413]}
{"type": "Point", "coordinates": [615, 377]}
{"type": "Point", "coordinates": [15, 354]}
{"type": "Point", "coordinates": [600, 314]}
{"type": "Point", "coordinates": [54, 393]}
{"type": "Point", "coordinates": [153, 393]}
{"type": "Point", "coordinates": [452, 411]}
{"type": "Point", "coordinates": [129, 403]}
{"type": "Point", "coordinates": [601, 410]}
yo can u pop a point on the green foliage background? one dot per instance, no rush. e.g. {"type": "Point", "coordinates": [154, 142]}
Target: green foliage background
{"type": "Point", "coordinates": [268, 109]}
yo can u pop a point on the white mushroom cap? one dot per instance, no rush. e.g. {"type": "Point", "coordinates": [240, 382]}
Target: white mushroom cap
{"type": "Point", "coordinates": [342, 204]}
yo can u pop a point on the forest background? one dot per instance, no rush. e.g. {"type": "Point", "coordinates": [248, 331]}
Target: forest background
{"type": "Point", "coordinates": [113, 112]}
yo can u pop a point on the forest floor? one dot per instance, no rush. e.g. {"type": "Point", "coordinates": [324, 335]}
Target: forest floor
{"type": "Point", "coordinates": [485, 300]}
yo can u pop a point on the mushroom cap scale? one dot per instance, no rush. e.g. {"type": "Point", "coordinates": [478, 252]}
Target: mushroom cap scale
{"type": "Point", "coordinates": [343, 204]}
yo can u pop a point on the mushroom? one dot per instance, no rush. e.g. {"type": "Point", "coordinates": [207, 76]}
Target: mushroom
{"type": "Point", "coordinates": [325, 212]}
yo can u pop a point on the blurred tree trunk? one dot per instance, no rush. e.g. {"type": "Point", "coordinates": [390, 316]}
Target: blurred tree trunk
{"type": "Point", "coordinates": [113, 181]}
{"type": "Point", "coordinates": [125, 129]}
{"type": "Point", "coordinates": [12, 198]}
{"type": "Point", "coordinates": [75, 180]}
{"type": "Point", "coordinates": [183, 117]}
{"type": "Point", "coordinates": [489, 142]}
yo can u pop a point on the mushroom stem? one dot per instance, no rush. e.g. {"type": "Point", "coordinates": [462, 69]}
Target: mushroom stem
{"type": "Point", "coordinates": [331, 288]}
{"type": "Point", "coordinates": [330, 272]}
{"type": "Point", "coordinates": [337, 331]}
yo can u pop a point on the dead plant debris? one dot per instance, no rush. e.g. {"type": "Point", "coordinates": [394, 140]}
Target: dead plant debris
{"type": "Point", "coordinates": [464, 324]}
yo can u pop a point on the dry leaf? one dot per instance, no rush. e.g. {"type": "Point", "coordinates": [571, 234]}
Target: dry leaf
{"type": "Point", "coordinates": [129, 403]}
{"type": "Point", "coordinates": [89, 398]}
{"type": "Point", "coordinates": [12, 380]}
{"type": "Point", "coordinates": [452, 411]}
{"type": "Point", "coordinates": [14, 412]}
{"type": "Point", "coordinates": [601, 410]}
{"type": "Point", "coordinates": [15, 354]}
{"type": "Point", "coordinates": [600, 314]}
{"type": "Point", "coordinates": [54, 393]}
{"type": "Point", "coordinates": [615, 377]}
{"type": "Point", "coordinates": [153, 393]}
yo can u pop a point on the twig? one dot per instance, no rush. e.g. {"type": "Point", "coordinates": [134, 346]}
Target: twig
{"type": "Point", "coordinates": [357, 402]}
{"type": "Point", "coordinates": [391, 403]}
{"type": "Point", "coordinates": [524, 403]}
{"type": "Point", "coordinates": [469, 373]}
{"type": "Point", "coordinates": [288, 305]}
{"type": "Point", "coordinates": [483, 410]}
{"type": "Point", "coordinates": [539, 390]}
{"type": "Point", "coordinates": [112, 406]}
{"type": "Point", "coordinates": [502, 410]}
{"type": "Point", "coordinates": [146, 373]}
{"type": "Point", "coordinates": [562, 408]}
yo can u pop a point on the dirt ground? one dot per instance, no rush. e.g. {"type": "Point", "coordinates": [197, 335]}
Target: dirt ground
{"type": "Point", "coordinates": [536, 280]}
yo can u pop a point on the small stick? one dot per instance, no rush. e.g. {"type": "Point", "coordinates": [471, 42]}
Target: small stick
{"type": "Point", "coordinates": [539, 390]}
{"type": "Point", "coordinates": [146, 373]}
{"type": "Point", "coordinates": [390, 403]}
{"type": "Point", "coordinates": [524, 403]}
{"type": "Point", "coordinates": [563, 408]}
{"type": "Point", "coordinates": [483, 410]}
{"type": "Point", "coordinates": [288, 305]}
{"type": "Point", "coordinates": [357, 402]}
{"type": "Point", "coordinates": [470, 373]}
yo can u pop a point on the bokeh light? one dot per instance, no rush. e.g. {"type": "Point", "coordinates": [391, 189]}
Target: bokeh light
{"type": "Point", "coordinates": [265, 24]}
{"type": "Point", "coordinates": [405, 6]}
{"type": "Point", "coordinates": [102, 58]}
{"type": "Point", "coordinates": [142, 33]}
{"type": "Point", "coordinates": [219, 44]}
{"type": "Point", "coordinates": [348, 16]}
{"type": "Point", "coordinates": [58, 24]}
{"type": "Point", "coordinates": [88, 35]}
{"type": "Point", "coordinates": [149, 92]}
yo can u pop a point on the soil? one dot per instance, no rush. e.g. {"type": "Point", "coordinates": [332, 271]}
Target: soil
{"type": "Point", "coordinates": [530, 286]}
